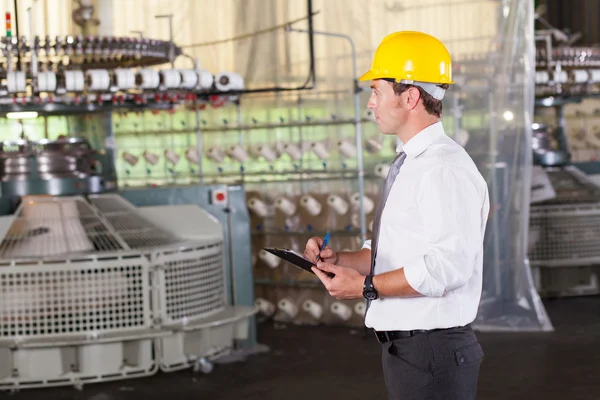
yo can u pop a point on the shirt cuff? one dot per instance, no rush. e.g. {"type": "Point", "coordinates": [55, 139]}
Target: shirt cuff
{"type": "Point", "coordinates": [419, 279]}
{"type": "Point", "coordinates": [366, 245]}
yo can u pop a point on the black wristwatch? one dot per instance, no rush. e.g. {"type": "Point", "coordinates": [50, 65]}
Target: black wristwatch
{"type": "Point", "coordinates": [369, 291]}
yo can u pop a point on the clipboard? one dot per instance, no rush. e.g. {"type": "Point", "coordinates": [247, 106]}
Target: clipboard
{"type": "Point", "coordinates": [294, 258]}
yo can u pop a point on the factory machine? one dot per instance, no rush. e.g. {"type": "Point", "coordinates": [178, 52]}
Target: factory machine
{"type": "Point", "coordinates": [98, 283]}
{"type": "Point", "coordinates": [564, 225]}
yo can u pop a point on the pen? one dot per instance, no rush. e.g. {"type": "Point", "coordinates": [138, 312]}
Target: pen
{"type": "Point", "coordinates": [325, 241]}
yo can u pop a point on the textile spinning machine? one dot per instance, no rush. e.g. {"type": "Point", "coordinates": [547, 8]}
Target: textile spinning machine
{"type": "Point", "coordinates": [564, 224]}
{"type": "Point", "coordinates": [98, 283]}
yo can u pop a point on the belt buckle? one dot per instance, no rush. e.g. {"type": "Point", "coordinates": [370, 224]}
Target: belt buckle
{"type": "Point", "coordinates": [382, 336]}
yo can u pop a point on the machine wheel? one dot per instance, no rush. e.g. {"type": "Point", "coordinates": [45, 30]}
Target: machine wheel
{"type": "Point", "coordinates": [203, 365]}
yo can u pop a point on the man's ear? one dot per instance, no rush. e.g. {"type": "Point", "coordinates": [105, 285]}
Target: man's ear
{"type": "Point", "coordinates": [413, 97]}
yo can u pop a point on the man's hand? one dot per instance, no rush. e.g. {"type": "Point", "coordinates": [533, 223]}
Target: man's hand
{"type": "Point", "coordinates": [313, 247]}
{"type": "Point", "coordinates": [345, 285]}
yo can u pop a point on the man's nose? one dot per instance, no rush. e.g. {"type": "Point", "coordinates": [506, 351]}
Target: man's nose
{"type": "Point", "coordinates": [371, 103]}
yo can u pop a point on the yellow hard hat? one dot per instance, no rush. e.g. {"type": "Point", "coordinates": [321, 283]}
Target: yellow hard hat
{"type": "Point", "coordinates": [413, 58]}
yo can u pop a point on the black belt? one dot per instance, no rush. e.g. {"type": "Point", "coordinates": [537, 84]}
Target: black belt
{"type": "Point", "coordinates": [388, 336]}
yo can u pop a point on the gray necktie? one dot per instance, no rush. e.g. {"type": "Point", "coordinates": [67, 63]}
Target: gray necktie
{"type": "Point", "coordinates": [389, 181]}
{"type": "Point", "coordinates": [387, 186]}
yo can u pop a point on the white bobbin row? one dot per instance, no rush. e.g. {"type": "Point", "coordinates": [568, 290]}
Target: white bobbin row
{"type": "Point", "coordinates": [47, 81]}
{"type": "Point", "coordinates": [189, 78]}
{"type": "Point", "coordinates": [170, 78]}
{"type": "Point", "coordinates": [147, 79]}
{"type": "Point", "coordinates": [74, 81]}
{"type": "Point", "coordinates": [124, 79]}
{"type": "Point", "coordinates": [15, 81]}
{"type": "Point", "coordinates": [97, 79]}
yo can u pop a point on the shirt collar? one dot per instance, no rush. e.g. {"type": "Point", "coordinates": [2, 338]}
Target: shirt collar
{"type": "Point", "coordinates": [422, 140]}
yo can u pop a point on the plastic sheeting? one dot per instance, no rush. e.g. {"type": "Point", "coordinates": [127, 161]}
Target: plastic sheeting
{"type": "Point", "coordinates": [509, 300]}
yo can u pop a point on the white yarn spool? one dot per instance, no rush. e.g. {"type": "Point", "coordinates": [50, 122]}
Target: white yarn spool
{"type": "Point", "coordinates": [170, 78]}
{"type": "Point", "coordinates": [279, 148]}
{"type": "Point", "coordinates": [15, 81]}
{"type": "Point", "coordinates": [373, 146]}
{"type": "Point", "coordinates": [266, 307]}
{"type": "Point", "coordinates": [47, 81]}
{"type": "Point", "coordinates": [270, 259]}
{"type": "Point", "coordinates": [147, 79]}
{"type": "Point", "coordinates": [347, 148]}
{"type": "Point", "coordinates": [150, 157]}
{"type": "Point", "coordinates": [368, 203]}
{"type": "Point", "coordinates": [74, 81]}
{"type": "Point", "coordinates": [189, 78]}
{"type": "Point", "coordinates": [339, 205]}
{"type": "Point", "coordinates": [360, 309]}
{"type": "Point", "coordinates": [205, 79]}
{"type": "Point", "coordinates": [579, 76]}
{"type": "Point", "coordinates": [216, 154]}
{"type": "Point", "coordinates": [130, 158]}
{"type": "Point", "coordinates": [341, 310]}
{"type": "Point", "coordinates": [320, 150]}
{"type": "Point", "coordinates": [97, 79]}
{"type": "Point", "coordinates": [293, 151]}
{"type": "Point", "coordinates": [258, 207]}
{"type": "Point", "coordinates": [288, 307]}
{"type": "Point", "coordinates": [382, 170]}
{"type": "Point", "coordinates": [542, 77]}
{"type": "Point", "coordinates": [172, 156]}
{"type": "Point", "coordinates": [266, 152]}
{"type": "Point", "coordinates": [311, 205]}
{"type": "Point", "coordinates": [124, 78]}
{"type": "Point", "coordinates": [237, 152]}
{"type": "Point", "coordinates": [594, 75]}
{"type": "Point", "coordinates": [226, 81]}
{"type": "Point", "coordinates": [560, 76]}
{"type": "Point", "coordinates": [286, 206]}
{"type": "Point", "coordinates": [313, 308]}
{"type": "Point", "coordinates": [253, 151]}
{"type": "Point", "coordinates": [192, 155]}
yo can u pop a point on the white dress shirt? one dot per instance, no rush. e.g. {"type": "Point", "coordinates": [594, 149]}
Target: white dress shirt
{"type": "Point", "coordinates": [433, 226]}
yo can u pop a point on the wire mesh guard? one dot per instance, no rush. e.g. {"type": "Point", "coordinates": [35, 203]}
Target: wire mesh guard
{"type": "Point", "coordinates": [564, 231]}
{"type": "Point", "coordinates": [566, 235]}
{"type": "Point", "coordinates": [48, 226]}
{"type": "Point", "coordinates": [53, 300]}
{"type": "Point", "coordinates": [194, 284]}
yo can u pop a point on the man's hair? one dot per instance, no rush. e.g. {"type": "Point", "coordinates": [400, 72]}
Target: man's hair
{"type": "Point", "coordinates": [432, 106]}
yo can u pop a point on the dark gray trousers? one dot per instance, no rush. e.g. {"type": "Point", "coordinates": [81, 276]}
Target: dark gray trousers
{"type": "Point", "coordinates": [437, 365]}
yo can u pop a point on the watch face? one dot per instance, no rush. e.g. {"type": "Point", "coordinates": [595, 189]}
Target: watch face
{"type": "Point", "coordinates": [370, 294]}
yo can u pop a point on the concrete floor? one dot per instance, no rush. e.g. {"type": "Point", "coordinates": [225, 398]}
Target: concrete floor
{"type": "Point", "coordinates": [337, 363]}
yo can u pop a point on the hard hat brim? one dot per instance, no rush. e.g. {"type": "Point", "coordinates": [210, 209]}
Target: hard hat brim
{"type": "Point", "coordinates": [369, 75]}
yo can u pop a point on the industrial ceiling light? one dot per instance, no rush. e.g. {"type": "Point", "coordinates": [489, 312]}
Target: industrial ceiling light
{"type": "Point", "coordinates": [508, 115]}
{"type": "Point", "coordinates": [22, 115]}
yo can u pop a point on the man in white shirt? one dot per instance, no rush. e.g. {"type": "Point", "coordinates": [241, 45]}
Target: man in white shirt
{"type": "Point", "coordinates": [422, 271]}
